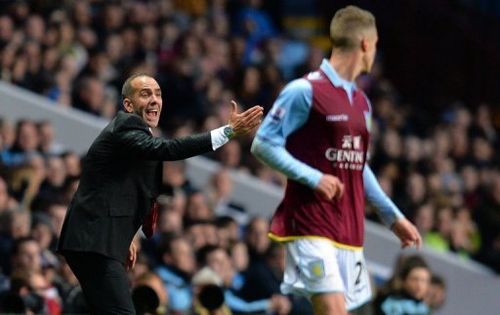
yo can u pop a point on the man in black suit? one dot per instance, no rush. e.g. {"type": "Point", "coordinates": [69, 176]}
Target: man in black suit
{"type": "Point", "coordinates": [119, 183]}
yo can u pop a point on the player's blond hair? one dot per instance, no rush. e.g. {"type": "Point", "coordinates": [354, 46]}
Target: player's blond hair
{"type": "Point", "coordinates": [347, 25]}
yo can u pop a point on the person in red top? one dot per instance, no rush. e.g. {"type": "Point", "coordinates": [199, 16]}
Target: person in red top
{"type": "Point", "coordinates": [317, 134]}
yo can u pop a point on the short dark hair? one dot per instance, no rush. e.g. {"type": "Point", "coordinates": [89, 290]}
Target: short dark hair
{"type": "Point", "coordinates": [127, 89]}
{"type": "Point", "coordinates": [166, 242]}
{"type": "Point", "coordinates": [202, 253]}
{"type": "Point", "coordinates": [412, 262]}
{"type": "Point", "coordinates": [20, 242]}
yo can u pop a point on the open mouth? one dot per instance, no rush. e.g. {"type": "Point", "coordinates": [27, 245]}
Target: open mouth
{"type": "Point", "coordinates": [152, 113]}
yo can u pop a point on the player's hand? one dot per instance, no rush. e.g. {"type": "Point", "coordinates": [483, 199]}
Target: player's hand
{"type": "Point", "coordinates": [330, 187]}
{"type": "Point", "coordinates": [280, 304]}
{"type": "Point", "coordinates": [244, 123]}
{"type": "Point", "coordinates": [132, 256]}
{"type": "Point", "coordinates": [407, 233]}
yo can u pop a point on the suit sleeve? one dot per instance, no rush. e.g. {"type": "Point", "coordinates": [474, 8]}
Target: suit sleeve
{"type": "Point", "coordinates": [133, 137]}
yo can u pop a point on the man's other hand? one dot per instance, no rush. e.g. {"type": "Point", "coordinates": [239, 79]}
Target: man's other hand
{"type": "Point", "coordinates": [330, 187]}
{"type": "Point", "coordinates": [246, 122]}
{"type": "Point", "coordinates": [132, 256]}
{"type": "Point", "coordinates": [407, 233]}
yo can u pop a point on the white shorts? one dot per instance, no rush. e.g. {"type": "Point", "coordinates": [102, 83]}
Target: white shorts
{"type": "Point", "coordinates": [318, 266]}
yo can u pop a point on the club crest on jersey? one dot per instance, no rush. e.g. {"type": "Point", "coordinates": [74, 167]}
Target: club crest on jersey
{"type": "Point", "coordinates": [277, 114]}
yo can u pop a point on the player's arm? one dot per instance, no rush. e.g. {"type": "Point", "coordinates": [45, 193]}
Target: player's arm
{"type": "Point", "coordinates": [386, 209]}
{"type": "Point", "coordinates": [290, 111]}
{"type": "Point", "coordinates": [388, 212]}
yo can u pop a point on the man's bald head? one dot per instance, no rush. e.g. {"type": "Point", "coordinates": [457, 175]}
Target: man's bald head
{"type": "Point", "coordinates": [127, 88]}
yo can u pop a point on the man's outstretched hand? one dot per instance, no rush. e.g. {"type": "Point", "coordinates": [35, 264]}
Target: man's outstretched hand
{"type": "Point", "coordinates": [246, 122]}
{"type": "Point", "coordinates": [407, 233]}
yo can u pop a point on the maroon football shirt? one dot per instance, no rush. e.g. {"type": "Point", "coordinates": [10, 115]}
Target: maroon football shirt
{"type": "Point", "coordinates": [334, 140]}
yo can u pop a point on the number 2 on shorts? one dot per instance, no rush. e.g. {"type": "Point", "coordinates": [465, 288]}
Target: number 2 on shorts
{"type": "Point", "coordinates": [359, 267]}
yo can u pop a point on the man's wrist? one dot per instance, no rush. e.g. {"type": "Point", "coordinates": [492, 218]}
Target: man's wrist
{"type": "Point", "coordinates": [229, 131]}
{"type": "Point", "coordinates": [219, 137]}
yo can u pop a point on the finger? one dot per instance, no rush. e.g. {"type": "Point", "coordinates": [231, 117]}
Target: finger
{"type": "Point", "coordinates": [405, 243]}
{"type": "Point", "coordinates": [255, 124]}
{"type": "Point", "coordinates": [324, 194]}
{"type": "Point", "coordinates": [333, 191]}
{"type": "Point", "coordinates": [418, 241]}
{"type": "Point", "coordinates": [255, 116]}
{"type": "Point", "coordinates": [341, 190]}
{"type": "Point", "coordinates": [234, 107]}
{"type": "Point", "coordinates": [251, 111]}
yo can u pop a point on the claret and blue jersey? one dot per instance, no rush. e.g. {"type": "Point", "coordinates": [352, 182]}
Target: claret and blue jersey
{"type": "Point", "coordinates": [319, 124]}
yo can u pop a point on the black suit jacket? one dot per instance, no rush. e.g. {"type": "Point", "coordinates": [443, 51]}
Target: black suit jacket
{"type": "Point", "coordinates": [120, 178]}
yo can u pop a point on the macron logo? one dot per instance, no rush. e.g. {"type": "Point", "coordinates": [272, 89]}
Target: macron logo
{"type": "Point", "coordinates": [335, 118]}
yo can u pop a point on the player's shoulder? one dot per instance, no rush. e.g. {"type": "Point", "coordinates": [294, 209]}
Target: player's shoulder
{"type": "Point", "coordinates": [368, 104]}
{"type": "Point", "coordinates": [298, 86]}
{"type": "Point", "coordinates": [315, 76]}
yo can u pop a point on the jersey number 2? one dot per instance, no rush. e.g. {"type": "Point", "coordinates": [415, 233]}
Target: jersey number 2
{"type": "Point", "coordinates": [359, 267]}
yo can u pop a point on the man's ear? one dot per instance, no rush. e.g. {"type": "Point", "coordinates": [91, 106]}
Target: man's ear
{"type": "Point", "coordinates": [364, 44]}
{"type": "Point", "coordinates": [127, 105]}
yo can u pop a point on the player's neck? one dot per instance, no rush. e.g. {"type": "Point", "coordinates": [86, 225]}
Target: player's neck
{"type": "Point", "coordinates": [347, 66]}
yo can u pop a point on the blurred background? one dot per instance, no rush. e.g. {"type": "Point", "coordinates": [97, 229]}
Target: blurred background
{"type": "Point", "coordinates": [435, 91]}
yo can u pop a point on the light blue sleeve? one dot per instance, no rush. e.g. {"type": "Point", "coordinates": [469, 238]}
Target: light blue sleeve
{"type": "Point", "coordinates": [386, 209]}
{"type": "Point", "coordinates": [289, 112]}
{"type": "Point", "coordinates": [237, 304]}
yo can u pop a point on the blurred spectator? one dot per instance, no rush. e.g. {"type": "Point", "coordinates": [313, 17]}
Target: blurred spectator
{"type": "Point", "coordinates": [257, 240]}
{"type": "Point", "coordinates": [440, 238]}
{"type": "Point", "coordinates": [177, 265]}
{"type": "Point", "coordinates": [219, 197]}
{"type": "Point", "coordinates": [488, 217]}
{"type": "Point", "coordinates": [42, 231]}
{"type": "Point", "coordinates": [4, 196]}
{"type": "Point", "coordinates": [25, 146]}
{"type": "Point", "coordinates": [14, 228]}
{"type": "Point", "coordinates": [26, 255]}
{"type": "Point", "coordinates": [72, 164]}
{"type": "Point", "coordinates": [208, 293]}
{"type": "Point", "coordinates": [89, 95]}
{"type": "Point", "coordinates": [201, 233]}
{"type": "Point", "coordinates": [264, 277]}
{"type": "Point", "coordinates": [70, 290]}
{"type": "Point", "coordinates": [405, 293]}
{"type": "Point", "coordinates": [238, 252]}
{"type": "Point", "coordinates": [48, 145]}
{"type": "Point", "coordinates": [228, 231]}
{"type": "Point", "coordinates": [197, 207]}
{"type": "Point", "coordinates": [154, 282]}
{"type": "Point", "coordinates": [7, 134]}
{"type": "Point", "coordinates": [436, 296]}
{"type": "Point", "coordinates": [217, 259]}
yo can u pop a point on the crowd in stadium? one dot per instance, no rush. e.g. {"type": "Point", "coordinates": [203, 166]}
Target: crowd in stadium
{"type": "Point", "coordinates": [443, 176]}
